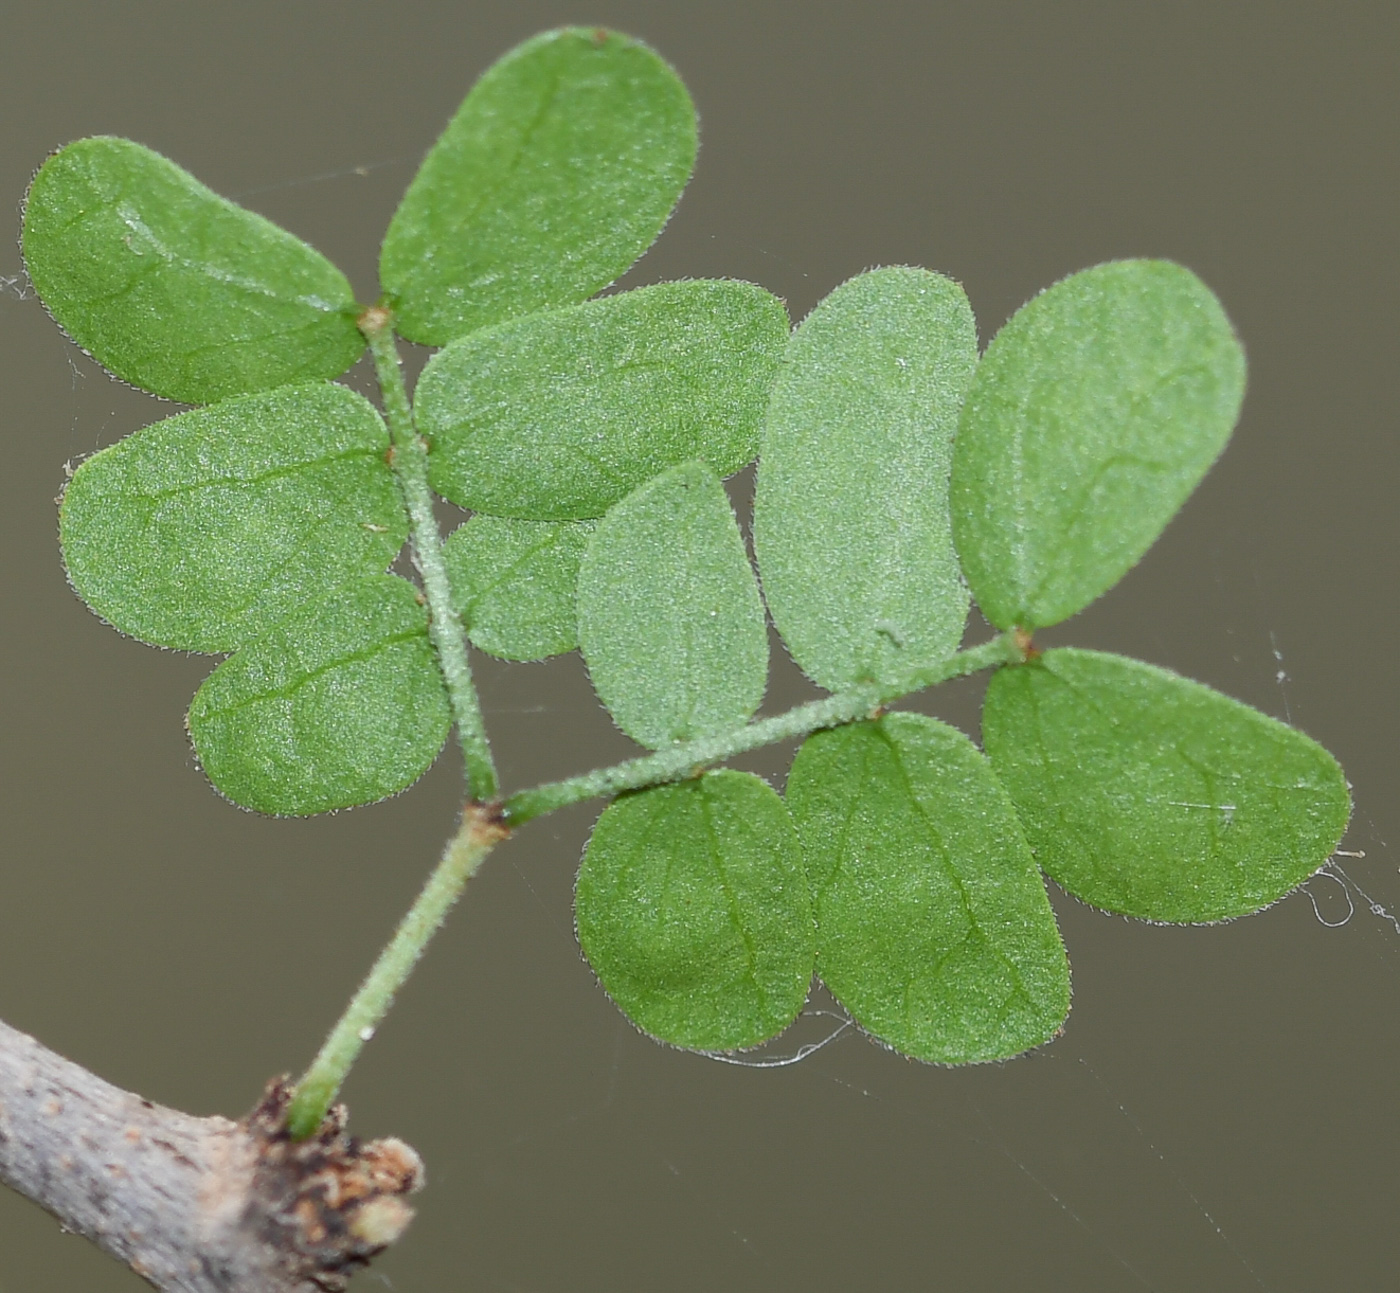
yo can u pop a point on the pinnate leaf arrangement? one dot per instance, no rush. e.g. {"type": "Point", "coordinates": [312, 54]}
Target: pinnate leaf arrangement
{"type": "Point", "coordinates": [900, 476]}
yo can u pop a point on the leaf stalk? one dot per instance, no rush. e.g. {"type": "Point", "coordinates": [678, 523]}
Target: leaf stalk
{"type": "Point", "coordinates": [481, 830]}
{"type": "Point", "coordinates": [679, 761]}
{"type": "Point", "coordinates": [409, 459]}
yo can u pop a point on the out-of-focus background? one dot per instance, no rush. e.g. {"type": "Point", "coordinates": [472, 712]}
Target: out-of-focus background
{"type": "Point", "coordinates": [1221, 1113]}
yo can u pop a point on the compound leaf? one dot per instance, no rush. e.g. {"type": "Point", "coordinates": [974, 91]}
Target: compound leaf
{"type": "Point", "coordinates": [693, 911]}
{"type": "Point", "coordinates": [341, 703]}
{"type": "Point", "coordinates": [670, 620]}
{"type": "Point", "coordinates": [1150, 795]}
{"type": "Point", "coordinates": [515, 584]}
{"type": "Point", "coordinates": [933, 928]}
{"type": "Point", "coordinates": [851, 520]}
{"type": "Point", "coordinates": [557, 172]}
{"type": "Point", "coordinates": [175, 289]}
{"type": "Point", "coordinates": [560, 415]}
{"type": "Point", "coordinates": [201, 531]}
{"type": "Point", "coordinates": [1095, 412]}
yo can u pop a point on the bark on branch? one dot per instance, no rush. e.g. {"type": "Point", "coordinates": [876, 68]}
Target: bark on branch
{"type": "Point", "coordinates": [198, 1205]}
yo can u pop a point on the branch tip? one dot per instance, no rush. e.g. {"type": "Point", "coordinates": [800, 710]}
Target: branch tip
{"type": "Point", "coordinates": [330, 1203]}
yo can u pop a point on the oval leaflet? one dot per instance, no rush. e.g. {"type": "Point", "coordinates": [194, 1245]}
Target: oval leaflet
{"type": "Point", "coordinates": [1094, 413]}
{"type": "Point", "coordinates": [559, 415]}
{"type": "Point", "coordinates": [201, 531]}
{"type": "Point", "coordinates": [670, 619]}
{"type": "Point", "coordinates": [693, 911]}
{"type": "Point", "coordinates": [556, 173]}
{"type": "Point", "coordinates": [933, 928]}
{"type": "Point", "coordinates": [175, 289]}
{"type": "Point", "coordinates": [1148, 794]}
{"type": "Point", "coordinates": [851, 520]}
{"type": "Point", "coordinates": [341, 703]}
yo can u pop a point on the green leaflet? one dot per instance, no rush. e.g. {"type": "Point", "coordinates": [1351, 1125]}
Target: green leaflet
{"type": "Point", "coordinates": [560, 415]}
{"type": "Point", "coordinates": [933, 928]}
{"type": "Point", "coordinates": [851, 521]}
{"type": "Point", "coordinates": [1147, 794]}
{"type": "Point", "coordinates": [340, 703]}
{"type": "Point", "coordinates": [1094, 414]}
{"type": "Point", "coordinates": [557, 172]}
{"type": "Point", "coordinates": [200, 531]}
{"type": "Point", "coordinates": [670, 619]}
{"type": "Point", "coordinates": [693, 911]}
{"type": "Point", "coordinates": [515, 584]}
{"type": "Point", "coordinates": [175, 289]}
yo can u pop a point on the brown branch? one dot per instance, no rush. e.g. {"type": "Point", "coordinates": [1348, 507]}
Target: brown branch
{"type": "Point", "coordinates": [198, 1205]}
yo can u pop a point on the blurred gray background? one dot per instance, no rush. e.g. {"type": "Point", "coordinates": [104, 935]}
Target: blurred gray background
{"type": "Point", "coordinates": [1221, 1112]}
